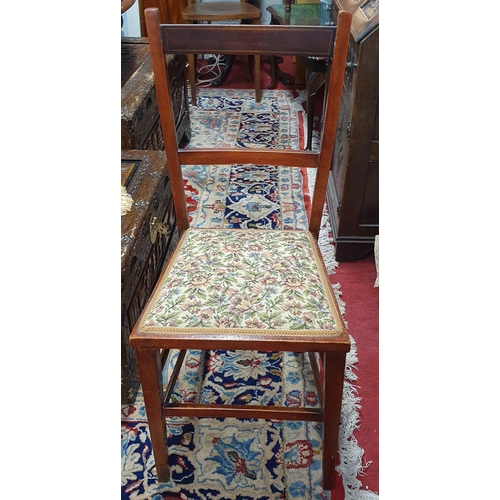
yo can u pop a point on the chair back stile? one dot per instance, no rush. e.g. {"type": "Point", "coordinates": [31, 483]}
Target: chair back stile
{"type": "Point", "coordinates": [252, 40]}
{"type": "Point", "coordinates": [328, 132]}
{"type": "Point", "coordinates": [167, 119]}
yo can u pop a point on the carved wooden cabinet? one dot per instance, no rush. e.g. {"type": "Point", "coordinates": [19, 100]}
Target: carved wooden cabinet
{"type": "Point", "coordinates": [140, 127]}
{"type": "Point", "coordinates": [148, 237]}
{"type": "Point", "coordinates": [352, 194]}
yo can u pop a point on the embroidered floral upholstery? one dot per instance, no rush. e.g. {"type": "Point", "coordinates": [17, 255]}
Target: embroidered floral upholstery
{"type": "Point", "coordinates": [223, 280]}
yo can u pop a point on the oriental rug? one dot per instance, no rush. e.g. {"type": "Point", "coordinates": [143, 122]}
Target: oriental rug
{"type": "Point", "coordinates": [236, 459]}
{"type": "Point", "coordinates": [243, 196]}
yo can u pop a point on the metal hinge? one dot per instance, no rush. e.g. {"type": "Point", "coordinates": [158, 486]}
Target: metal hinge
{"type": "Point", "coordinates": [348, 130]}
{"type": "Point", "coordinates": [338, 209]}
{"type": "Point", "coordinates": [156, 227]}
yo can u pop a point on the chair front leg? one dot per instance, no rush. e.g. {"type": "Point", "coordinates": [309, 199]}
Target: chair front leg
{"type": "Point", "coordinates": [150, 368]}
{"type": "Point", "coordinates": [334, 367]}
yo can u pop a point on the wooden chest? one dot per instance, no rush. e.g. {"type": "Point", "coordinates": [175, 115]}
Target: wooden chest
{"type": "Point", "coordinates": [140, 127]}
{"type": "Point", "coordinates": [148, 237]}
{"type": "Point", "coordinates": [353, 186]}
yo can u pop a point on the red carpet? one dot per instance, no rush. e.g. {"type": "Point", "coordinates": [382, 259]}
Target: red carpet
{"type": "Point", "coordinates": [362, 299]}
{"type": "Point", "coordinates": [362, 313]}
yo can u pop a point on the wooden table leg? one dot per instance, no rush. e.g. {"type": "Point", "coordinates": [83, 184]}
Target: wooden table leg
{"type": "Point", "coordinates": [315, 78]}
{"type": "Point", "coordinates": [276, 73]}
{"type": "Point", "coordinates": [334, 367]}
{"type": "Point", "coordinates": [192, 77]}
{"type": "Point", "coordinates": [273, 64]}
{"type": "Point", "coordinates": [256, 72]}
{"type": "Point", "coordinates": [149, 361]}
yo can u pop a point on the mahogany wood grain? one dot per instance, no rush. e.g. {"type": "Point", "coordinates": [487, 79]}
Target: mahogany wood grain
{"type": "Point", "coordinates": [220, 11]}
{"type": "Point", "coordinates": [126, 4]}
{"type": "Point", "coordinates": [329, 129]}
{"type": "Point", "coordinates": [170, 12]}
{"type": "Point", "coordinates": [333, 379]}
{"type": "Point", "coordinates": [243, 411]}
{"type": "Point", "coordinates": [227, 156]}
{"type": "Point", "coordinates": [166, 117]}
{"type": "Point", "coordinates": [150, 368]}
{"type": "Point", "coordinates": [253, 39]}
{"type": "Point", "coordinates": [243, 342]}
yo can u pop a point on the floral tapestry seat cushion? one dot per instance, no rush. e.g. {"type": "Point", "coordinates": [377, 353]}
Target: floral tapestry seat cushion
{"type": "Point", "coordinates": [244, 282]}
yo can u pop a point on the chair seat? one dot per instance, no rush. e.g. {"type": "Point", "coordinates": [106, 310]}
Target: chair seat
{"type": "Point", "coordinates": [223, 284]}
{"type": "Point", "coordinates": [220, 11]}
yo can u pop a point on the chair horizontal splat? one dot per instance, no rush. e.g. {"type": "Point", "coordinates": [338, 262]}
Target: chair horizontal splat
{"type": "Point", "coordinates": [227, 156]}
{"type": "Point", "coordinates": [245, 39]}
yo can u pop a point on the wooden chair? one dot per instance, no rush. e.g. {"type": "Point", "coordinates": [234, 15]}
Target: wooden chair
{"type": "Point", "coordinates": [210, 273]}
{"type": "Point", "coordinates": [213, 12]}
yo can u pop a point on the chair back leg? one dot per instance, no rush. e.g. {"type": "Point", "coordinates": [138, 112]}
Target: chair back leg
{"type": "Point", "coordinates": [256, 75]}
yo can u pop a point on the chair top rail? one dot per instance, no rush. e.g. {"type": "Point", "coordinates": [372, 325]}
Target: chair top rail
{"type": "Point", "coordinates": [248, 39]}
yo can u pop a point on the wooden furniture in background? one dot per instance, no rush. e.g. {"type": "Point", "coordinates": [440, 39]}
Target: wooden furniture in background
{"type": "Point", "coordinates": [140, 127]}
{"type": "Point", "coordinates": [190, 11]}
{"type": "Point", "coordinates": [148, 184]}
{"type": "Point", "coordinates": [216, 12]}
{"type": "Point", "coordinates": [148, 237]}
{"type": "Point", "coordinates": [352, 193]}
{"type": "Point", "coordinates": [170, 12]}
{"type": "Point", "coordinates": [211, 269]}
{"type": "Point", "coordinates": [126, 4]}
{"type": "Point", "coordinates": [353, 186]}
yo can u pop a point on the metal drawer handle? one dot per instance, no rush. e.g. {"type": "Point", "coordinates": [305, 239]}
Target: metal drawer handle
{"type": "Point", "coordinates": [156, 227]}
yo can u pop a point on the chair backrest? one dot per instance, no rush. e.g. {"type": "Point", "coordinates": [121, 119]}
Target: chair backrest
{"type": "Point", "coordinates": [320, 41]}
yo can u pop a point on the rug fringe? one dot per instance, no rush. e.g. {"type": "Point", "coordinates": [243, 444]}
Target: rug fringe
{"type": "Point", "coordinates": [351, 465]}
{"type": "Point", "coordinates": [325, 242]}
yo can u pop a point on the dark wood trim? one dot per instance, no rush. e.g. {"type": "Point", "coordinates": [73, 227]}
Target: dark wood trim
{"type": "Point", "coordinates": [243, 411]}
{"type": "Point", "coordinates": [259, 40]}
